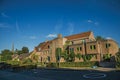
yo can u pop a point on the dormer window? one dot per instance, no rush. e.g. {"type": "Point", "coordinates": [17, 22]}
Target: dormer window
{"type": "Point", "coordinates": [48, 46]}
{"type": "Point", "coordinates": [72, 42]}
{"type": "Point", "coordinates": [39, 49]}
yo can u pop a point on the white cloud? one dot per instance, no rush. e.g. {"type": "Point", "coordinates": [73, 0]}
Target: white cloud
{"type": "Point", "coordinates": [96, 23]}
{"type": "Point", "coordinates": [32, 37]}
{"type": "Point", "coordinates": [3, 25]}
{"type": "Point", "coordinates": [4, 15]}
{"type": "Point", "coordinates": [108, 38]}
{"type": "Point", "coordinates": [51, 35]}
{"type": "Point", "coordinates": [93, 22]}
{"type": "Point", "coordinates": [70, 28]}
{"type": "Point", "coordinates": [89, 21]}
{"type": "Point", "coordinates": [17, 27]}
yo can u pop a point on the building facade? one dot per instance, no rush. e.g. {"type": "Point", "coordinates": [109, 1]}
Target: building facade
{"type": "Point", "coordinates": [83, 43]}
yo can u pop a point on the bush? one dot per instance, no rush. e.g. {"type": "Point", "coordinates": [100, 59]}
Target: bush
{"type": "Point", "coordinates": [51, 65]}
{"type": "Point", "coordinates": [118, 60]}
{"type": "Point", "coordinates": [78, 64]}
{"type": "Point", "coordinates": [27, 61]}
{"type": "Point", "coordinates": [13, 62]}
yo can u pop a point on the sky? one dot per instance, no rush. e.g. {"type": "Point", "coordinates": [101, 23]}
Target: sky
{"type": "Point", "coordinates": [30, 22]}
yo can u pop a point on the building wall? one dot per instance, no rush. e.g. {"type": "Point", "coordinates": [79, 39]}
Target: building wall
{"type": "Point", "coordinates": [112, 49]}
{"type": "Point", "coordinates": [92, 48]}
{"type": "Point", "coordinates": [98, 48]}
{"type": "Point", "coordinates": [76, 46]}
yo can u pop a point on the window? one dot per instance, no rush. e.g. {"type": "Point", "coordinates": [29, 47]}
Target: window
{"type": "Point", "coordinates": [48, 47]}
{"type": "Point", "coordinates": [77, 48]}
{"type": "Point", "coordinates": [48, 58]}
{"type": "Point", "coordinates": [41, 59]}
{"type": "Point", "coordinates": [71, 49]}
{"type": "Point", "coordinates": [39, 49]}
{"type": "Point", "coordinates": [80, 48]}
{"type": "Point", "coordinates": [72, 42]}
{"type": "Point", "coordinates": [108, 45]}
{"type": "Point", "coordinates": [92, 47]}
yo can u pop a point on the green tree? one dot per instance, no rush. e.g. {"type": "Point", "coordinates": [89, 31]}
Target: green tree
{"type": "Point", "coordinates": [25, 50]}
{"type": "Point", "coordinates": [117, 59]}
{"type": "Point", "coordinates": [78, 56]}
{"type": "Point", "coordinates": [6, 55]}
{"type": "Point", "coordinates": [58, 54]}
{"type": "Point", "coordinates": [87, 57]}
{"type": "Point", "coordinates": [71, 56]}
{"type": "Point", "coordinates": [65, 55]}
{"type": "Point", "coordinates": [107, 57]}
{"type": "Point", "coordinates": [99, 38]}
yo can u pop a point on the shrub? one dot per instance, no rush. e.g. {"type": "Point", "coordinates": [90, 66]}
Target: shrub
{"type": "Point", "coordinates": [51, 65]}
{"type": "Point", "coordinates": [79, 64]}
{"type": "Point", "coordinates": [27, 61]}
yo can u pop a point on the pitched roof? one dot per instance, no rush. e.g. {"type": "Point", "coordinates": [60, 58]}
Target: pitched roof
{"type": "Point", "coordinates": [80, 35]}
{"type": "Point", "coordinates": [44, 45]}
{"type": "Point", "coordinates": [22, 56]}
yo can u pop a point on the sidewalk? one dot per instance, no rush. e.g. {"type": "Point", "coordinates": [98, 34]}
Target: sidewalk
{"type": "Point", "coordinates": [88, 68]}
{"type": "Point", "coordinates": [16, 76]}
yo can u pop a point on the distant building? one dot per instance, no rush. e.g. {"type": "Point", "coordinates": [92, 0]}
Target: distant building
{"type": "Point", "coordinates": [83, 43]}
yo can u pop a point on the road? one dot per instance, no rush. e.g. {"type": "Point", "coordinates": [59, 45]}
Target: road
{"type": "Point", "coordinates": [59, 74]}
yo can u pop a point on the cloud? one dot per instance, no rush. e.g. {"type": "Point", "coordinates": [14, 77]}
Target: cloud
{"type": "Point", "coordinates": [51, 35]}
{"type": "Point", "coordinates": [108, 38]}
{"type": "Point", "coordinates": [96, 23]}
{"type": "Point", "coordinates": [89, 21]}
{"type": "Point", "coordinates": [4, 25]}
{"type": "Point", "coordinates": [93, 22]}
{"type": "Point", "coordinates": [4, 15]}
{"type": "Point", "coordinates": [32, 37]}
{"type": "Point", "coordinates": [58, 26]}
{"type": "Point", "coordinates": [70, 28]}
{"type": "Point", "coordinates": [17, 27]}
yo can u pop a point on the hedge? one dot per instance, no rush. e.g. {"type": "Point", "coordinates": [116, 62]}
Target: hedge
{"type": "Point", "coordinates": [75, 64]}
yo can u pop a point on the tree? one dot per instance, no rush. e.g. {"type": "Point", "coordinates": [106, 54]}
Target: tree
{"type": "Point", "coordinates": [71, 56]}
{"type": "Point", "coordinates": [6, 55]}
{"type": "Point", "coordinates": [107, 57]}
{"type": "Point", "coordinates": [118, 59]}
{"type": "Point", "coordinates": [65, 55]}
{"type": "Point", "coordinates": [58, 54]}
{"type": "Point", "coordinates": [19, 52]}
{"type": "Point", "coordinates": [99, 38]}
{"type": "Point", "coordinates": [25, 50]}
{"type": "Point", "coordinates": [78, 56]}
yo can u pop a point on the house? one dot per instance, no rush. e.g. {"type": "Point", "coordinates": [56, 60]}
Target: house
{"type": "Point", "coordinates": [20, 57]}
{"type": "Point", "coordinates": [82, 43]}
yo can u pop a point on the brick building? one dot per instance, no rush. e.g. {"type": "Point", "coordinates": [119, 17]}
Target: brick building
{"type": "Point", "coordinates": [83, 43]}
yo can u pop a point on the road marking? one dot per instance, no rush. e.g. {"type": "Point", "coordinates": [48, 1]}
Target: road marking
{"type": "Point", "coordinates": [94, 75]}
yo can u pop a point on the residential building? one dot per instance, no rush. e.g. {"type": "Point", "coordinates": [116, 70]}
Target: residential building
{"type": "Point", "coordinates": [83, 43]}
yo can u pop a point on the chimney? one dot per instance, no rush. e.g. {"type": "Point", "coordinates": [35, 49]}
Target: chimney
{"type": "Point", "coordinates": [59, 35]}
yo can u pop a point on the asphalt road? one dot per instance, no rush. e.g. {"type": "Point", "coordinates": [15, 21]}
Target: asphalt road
{"type": "Point", "coordinates": [59, 74]}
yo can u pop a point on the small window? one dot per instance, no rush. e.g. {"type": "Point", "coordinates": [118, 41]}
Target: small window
{"type": "Point", "coordinates": [80, 48]}
{"type": "Point", "coordinates": [72, 42]}
{"type": "Point", "coordinates": [48, 46]}
{"type": "Point", "coordinates": [92, 47]}
{"type": "Point", "coordinates": [48, 58]}
{"type": "Point", "coordinates": [77, 48]}
{"type": "Point", "coordinates": [71, 49]}
{"type": "Point", "coordinates": [41, 59]}
{"type": "Point", "coordinates": [39, 49]}
{"type": "Point", "coordinates": [108, 45]}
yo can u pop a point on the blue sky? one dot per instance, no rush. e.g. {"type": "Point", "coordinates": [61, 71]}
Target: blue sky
{"type": "Point", "coordinates": [29, 22]}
